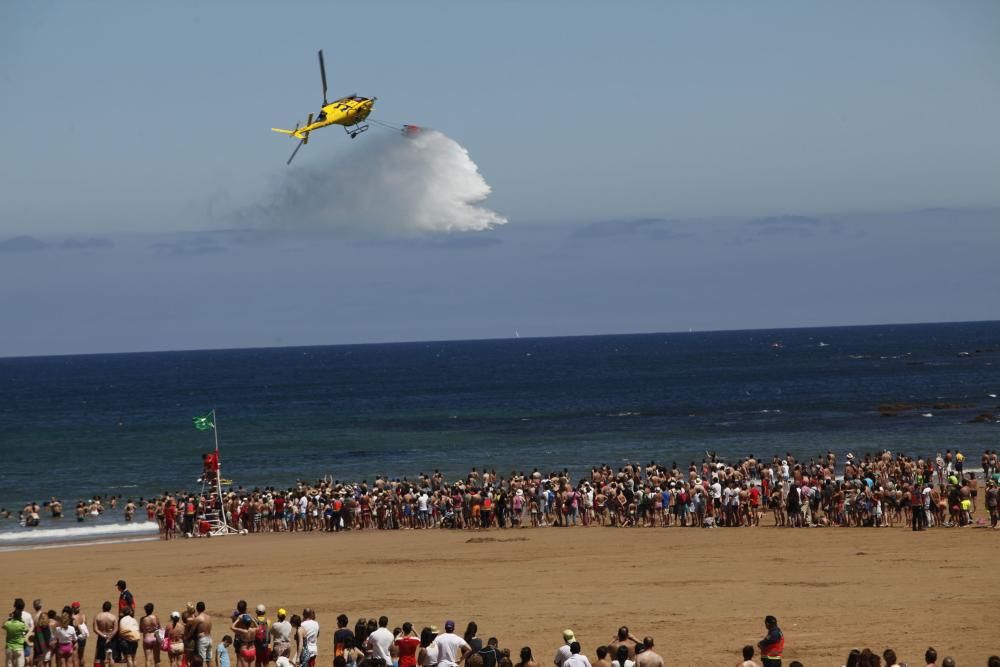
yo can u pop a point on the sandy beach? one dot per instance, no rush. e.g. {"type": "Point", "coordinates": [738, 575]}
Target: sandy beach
{"type": "Point", "coordinates": [702, 594]}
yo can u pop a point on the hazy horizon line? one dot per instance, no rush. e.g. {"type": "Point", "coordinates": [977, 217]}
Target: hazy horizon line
{"type": "Point", "coordinates": [497, 338]}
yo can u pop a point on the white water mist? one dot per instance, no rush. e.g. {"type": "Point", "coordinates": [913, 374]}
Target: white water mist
{"type": "Point", "coordinates": [384, 185]}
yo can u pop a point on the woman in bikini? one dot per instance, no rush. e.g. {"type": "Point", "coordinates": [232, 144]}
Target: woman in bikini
{"type": "Point", "coordinates": [152, 635]}
{"type": "Point", "coordinates": [175, 638]}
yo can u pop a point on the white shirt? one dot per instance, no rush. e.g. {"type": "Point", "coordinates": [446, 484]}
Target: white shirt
{"type": "Point", "coordinates": [28, 620]}
{"type": "Point", "coordinates": [65, 635]}
{"type": "Point", "coordinates": [449, 646]}
{"type": "Point", "coordinates": [578, 660]}
{"type": "Point", "coordinates": [562, 655]}
{"type": "Point", "coordinates": [380, 641]}
{"type": "Point", "coordinates": [311, 630]}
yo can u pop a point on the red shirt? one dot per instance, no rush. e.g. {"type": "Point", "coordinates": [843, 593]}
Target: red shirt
{"type": "Point", "coordinates": [408, 651]}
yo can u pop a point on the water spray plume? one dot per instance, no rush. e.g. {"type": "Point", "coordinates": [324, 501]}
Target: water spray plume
{"type": "Point", "coordinates": [388, 185]}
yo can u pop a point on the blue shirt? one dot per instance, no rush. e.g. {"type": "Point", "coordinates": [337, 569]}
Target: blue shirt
{"type": "Point", "coordinates": [221, 655]}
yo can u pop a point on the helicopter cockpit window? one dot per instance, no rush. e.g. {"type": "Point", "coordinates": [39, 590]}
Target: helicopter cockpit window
{"type": "Point", "coordinates": [321, 116]}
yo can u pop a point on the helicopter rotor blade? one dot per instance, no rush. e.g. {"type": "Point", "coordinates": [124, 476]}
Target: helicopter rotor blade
{"type": "Point", "coordinates": [322, 72]}
{"type": "Point", "coordinates": [292, 157]}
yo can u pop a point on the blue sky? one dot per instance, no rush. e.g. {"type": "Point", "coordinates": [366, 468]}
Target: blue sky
{"type": "Point", "coordinates": [132, 131]}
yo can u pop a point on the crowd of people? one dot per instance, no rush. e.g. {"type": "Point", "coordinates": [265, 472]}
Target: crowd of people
{"type": "Point", "coordinates": [47, 638]}
{"type": "Point", "coordinates": [878, 490]}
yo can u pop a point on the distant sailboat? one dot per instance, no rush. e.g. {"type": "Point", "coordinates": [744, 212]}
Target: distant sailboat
{"type": "Point", "coordinates": [517, 334]}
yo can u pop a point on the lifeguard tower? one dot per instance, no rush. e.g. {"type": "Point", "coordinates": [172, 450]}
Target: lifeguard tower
{"type": "Point", "coordinates": [212, 520]}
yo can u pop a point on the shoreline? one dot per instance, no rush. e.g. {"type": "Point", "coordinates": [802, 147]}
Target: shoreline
{"type": "Point", "coordinates": [485, 534]}
{"type": "Point", "coordinates": [701, 593]}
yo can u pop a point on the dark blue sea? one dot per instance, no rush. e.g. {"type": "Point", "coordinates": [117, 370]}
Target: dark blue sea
{"type": "Point", "coordinates": [75, 426]}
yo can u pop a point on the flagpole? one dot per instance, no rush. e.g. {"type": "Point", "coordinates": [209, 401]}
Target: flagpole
{"type": "Point", "coordinates": [218, 473]}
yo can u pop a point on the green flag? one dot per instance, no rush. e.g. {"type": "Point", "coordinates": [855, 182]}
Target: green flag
{"type": "Point", "coordinates": [204, 422]}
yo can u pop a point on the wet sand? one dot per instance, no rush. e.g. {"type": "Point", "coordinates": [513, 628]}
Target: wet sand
{"type": "Point", "coordinates": [702, 594]}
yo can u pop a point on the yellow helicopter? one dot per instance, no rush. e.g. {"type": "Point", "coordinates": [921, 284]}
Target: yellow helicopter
{"type": "Point", "coordinates": [350, 112]}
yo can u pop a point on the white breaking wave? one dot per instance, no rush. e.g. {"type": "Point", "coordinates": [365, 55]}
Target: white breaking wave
{"type": "Point", "coordinates": [77, 532]}
{"type": "Point", "coordinates": [386, 184]}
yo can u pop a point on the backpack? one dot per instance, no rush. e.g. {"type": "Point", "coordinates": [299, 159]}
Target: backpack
{"type": "Point", "coordinates": [261, 635]}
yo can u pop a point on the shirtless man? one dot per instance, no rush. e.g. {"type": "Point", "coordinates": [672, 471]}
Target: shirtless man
{"type": "Point", "coordinates": [106, 627]}
{"type": "Point", "coordinates": [624, 638]}
{"type": "Point", "coordinates": [199, 630]}
{"type": "Point", "coordinates": [82, 631]}
{"type": "Point", "coordinates": [647, 657]}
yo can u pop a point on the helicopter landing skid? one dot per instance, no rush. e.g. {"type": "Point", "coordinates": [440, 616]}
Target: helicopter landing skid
{"type": "Point", "coordinates": [355, 130]}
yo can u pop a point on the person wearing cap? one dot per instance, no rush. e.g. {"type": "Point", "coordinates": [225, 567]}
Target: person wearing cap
{"type": "Point", "coordinates": [451, 648]}
{"type": "Point", "coordinates": [281, 636]}
{"type": "Point", "coordinates": [125, 597]}
{"type": "Point", "coordinates": [563, 652]}
{"type": "Point", "coordinates": [82, 631]}
{"type": "Point", "coordinates": [262, 637]}
{"type": "Point", "coordinates": [175, 638]}
{"type": "Point", "coordinates": [244, 631]}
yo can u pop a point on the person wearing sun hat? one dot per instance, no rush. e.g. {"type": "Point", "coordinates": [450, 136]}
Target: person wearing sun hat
{"type": "Point", "coordinates": [262, 637]}
{"type": "Point", "coordinates": [452, 649]}
{"type": "Point", "coordinates": [281, 636]}
{"type": "Point", "coordinates": [564, 652]}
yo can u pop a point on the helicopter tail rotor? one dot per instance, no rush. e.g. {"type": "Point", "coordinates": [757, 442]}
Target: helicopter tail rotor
{"type": "Point", "coordinates": [301, 144]}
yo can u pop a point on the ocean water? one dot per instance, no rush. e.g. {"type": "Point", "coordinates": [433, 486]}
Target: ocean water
{"type": "Point", "coordinates": [75, 426]}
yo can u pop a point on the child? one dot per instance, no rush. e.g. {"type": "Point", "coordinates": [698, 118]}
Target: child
{"type": "Point", "coordinates": [222, 652]}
